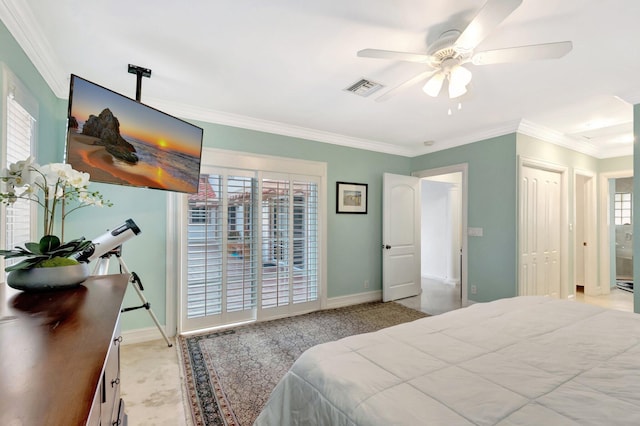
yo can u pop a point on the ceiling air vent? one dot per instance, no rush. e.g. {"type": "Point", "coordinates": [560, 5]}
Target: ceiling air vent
{"type": "Point", "coordinates": [364, 87]}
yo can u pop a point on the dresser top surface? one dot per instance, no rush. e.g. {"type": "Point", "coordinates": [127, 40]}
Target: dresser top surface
{"type": "Point", "coordinates": [53, 346]}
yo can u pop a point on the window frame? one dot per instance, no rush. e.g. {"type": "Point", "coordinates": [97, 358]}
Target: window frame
{"type": "Point", "coordinates": [620, 211]}
{"type": "Point", "coordinates": [177, 220]}
{"type": "Point", "coordinates": [14, 88]}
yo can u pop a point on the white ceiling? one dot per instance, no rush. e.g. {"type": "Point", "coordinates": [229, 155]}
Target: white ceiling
{"type": "Point", "coordinates": [282, 66]}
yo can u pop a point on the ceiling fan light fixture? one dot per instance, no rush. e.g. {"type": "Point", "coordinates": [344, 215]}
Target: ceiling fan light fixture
{"type": "Point", "coordinates": [459, 77]}
{"type": "Point", "coordinates": [434, 85]}
{"type": "Point", "coordinates": [456, 91]}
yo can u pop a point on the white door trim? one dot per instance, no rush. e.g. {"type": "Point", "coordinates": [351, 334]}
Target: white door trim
{"type": "Point", "coordinates": [604, 222]}
{"type": "Point", "coordinates": [564, 217]}
{"type": "Point", "coordinates": [591, 283]}
{"type": "Point", "coordinates": [464, 169]}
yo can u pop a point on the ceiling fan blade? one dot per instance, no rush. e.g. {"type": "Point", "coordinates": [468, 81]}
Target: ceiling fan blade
{"type": "Point", "coordinates": [396, 56]}
{"type": "Point", "coordinates": [523, 53]}
{"type": "Point", "coordinates": [414, 80]}
{"type": "Point", "coordinates": [489, 17]}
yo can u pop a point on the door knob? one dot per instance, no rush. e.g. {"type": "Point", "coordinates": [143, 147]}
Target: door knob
{"type": "Point", "coordinates": [386, 246]}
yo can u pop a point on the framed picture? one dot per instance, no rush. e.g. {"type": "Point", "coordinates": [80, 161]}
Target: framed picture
{"type": "Point", "coordinates": [351, 197]}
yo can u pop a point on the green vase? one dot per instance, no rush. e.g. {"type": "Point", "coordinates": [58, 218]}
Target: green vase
{"type": "Point", "coordinates": [39, 279]}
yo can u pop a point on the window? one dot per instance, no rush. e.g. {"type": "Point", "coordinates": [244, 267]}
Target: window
{"type": "Point", "coordinates": [253, 242]}
{"type": "Point", "coordinates": [19, 144]}
{"type": "Point", "coordinates": [622, 208]}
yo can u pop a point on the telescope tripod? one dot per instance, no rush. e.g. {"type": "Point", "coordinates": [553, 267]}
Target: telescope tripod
{"type": "Point", "coordinates": [102, 268]}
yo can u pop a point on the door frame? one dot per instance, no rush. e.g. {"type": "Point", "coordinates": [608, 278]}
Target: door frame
{"type": "Point", "coordinates": [464, 169]}
{"type": "Point", "coordinates": [591, 283]}
{"type": "Point", "coordinates": [604, 224]}
{"type": "Point", "coordinates": [564, 218]}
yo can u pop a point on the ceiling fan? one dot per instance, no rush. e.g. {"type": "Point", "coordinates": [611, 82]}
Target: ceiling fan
{"type": "Point", "coordinates": [446, 57]}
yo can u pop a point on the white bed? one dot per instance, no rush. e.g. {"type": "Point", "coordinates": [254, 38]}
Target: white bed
{"type": "Point", "coordinates": [518, 361]}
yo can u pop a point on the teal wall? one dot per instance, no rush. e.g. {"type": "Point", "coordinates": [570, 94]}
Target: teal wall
{"type": "Point", "coordinates": [491, 206]}
{"type": "Point", "coordinates": [615, 164]}
{"type": "Point", "coordinates": [52, 116]}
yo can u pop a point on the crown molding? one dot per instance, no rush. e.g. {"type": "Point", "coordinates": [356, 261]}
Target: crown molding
{"type": "Point", "coordinates": [245, 122]}
{"type": "Point", "coordinates": [557, 138]}
{"type": "Point", "coordinates": [19, 20]}
{"type": "Point", "coordinates": [632, 97]}
{"type": "Point", "coordinates": [442, 144]}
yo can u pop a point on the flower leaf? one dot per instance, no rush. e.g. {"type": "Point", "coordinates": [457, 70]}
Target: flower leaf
{"type": "Point", "coordinates": [18, 252]}
{"type": "Point", "coordinates": [33, 248]}
{"type": "Point", "coordinates": [48, 243]}
{"type": "Point", "coordinates": [25, 264]}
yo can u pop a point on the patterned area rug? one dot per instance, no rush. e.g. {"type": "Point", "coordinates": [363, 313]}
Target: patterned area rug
{"type": "Point", "coordinates": [230, 374]}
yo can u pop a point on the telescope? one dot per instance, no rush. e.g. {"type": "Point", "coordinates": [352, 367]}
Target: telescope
{"type": "Point", "coordinates": [110, 244]}
{"type": "Point", "coordinates": [108, 241]}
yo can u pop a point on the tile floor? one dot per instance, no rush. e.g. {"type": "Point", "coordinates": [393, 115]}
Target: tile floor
{"type": "Point", "coordinates": [151, 385]}
{"type": "Point", "coordinates": [436, 298]}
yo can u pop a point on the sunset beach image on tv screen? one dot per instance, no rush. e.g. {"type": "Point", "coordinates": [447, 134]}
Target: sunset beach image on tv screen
{"type": "Point", "coordinates": [121, 141]}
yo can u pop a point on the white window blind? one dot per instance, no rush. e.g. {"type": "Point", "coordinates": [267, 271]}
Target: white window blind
{"type": "Point", "coordinates": [289, 242]}
{"type": "Point", "coordinates": [20, 136]}
{"type": "Point", "coordinates": [204, 256]}
{"type": "Point", "coordinates": [222, 263]}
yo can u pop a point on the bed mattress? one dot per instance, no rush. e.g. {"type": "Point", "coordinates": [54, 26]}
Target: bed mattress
{"type": "Point", "coordinates": [517, 361]}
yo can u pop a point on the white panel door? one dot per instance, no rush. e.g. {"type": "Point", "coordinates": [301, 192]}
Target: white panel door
{"type": "Point", "coordinates": [540, 228]}
{"type": "Point", "coordinates": [400, 237]}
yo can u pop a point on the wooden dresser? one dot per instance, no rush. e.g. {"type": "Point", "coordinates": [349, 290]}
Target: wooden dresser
{"type": "Point", "coordinates": [60, 355]}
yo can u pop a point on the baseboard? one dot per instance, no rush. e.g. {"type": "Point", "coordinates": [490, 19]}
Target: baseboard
{"type": "Point", "coordinates": [445, 280]}
{"type": "Point", "coordinates": [141, 335]}
{"type": "Point", "coordinates": [354, 299]}
{"type": "Point", "coordinates": [433, 277]}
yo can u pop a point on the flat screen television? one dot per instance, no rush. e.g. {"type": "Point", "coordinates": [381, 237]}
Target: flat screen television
{"type": "Point", "coordinates": [119, 140]}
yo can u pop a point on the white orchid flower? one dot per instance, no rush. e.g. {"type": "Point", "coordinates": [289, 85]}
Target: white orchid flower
{"type": "Point", "coordinates": [60, 185]}
{"type": "Point", "coordinates": [78, 179]}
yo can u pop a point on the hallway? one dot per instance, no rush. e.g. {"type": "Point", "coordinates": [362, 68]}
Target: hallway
{"type": "Point", "coordinates": [438, 297]}
{"type": "Point", "coordinates": [617, 299]}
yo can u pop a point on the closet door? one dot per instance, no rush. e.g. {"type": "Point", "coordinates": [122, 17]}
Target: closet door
{"type": "Point", "coordinates": [540, 231]}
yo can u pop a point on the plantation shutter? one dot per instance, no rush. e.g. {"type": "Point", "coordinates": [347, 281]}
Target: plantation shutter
{"type": "Point", "coordinates": [20, 136]}
{"type": "Point", "coordinates": [221, 259]}
{"type": "Point", "coordinates": [305, 242]}
{"type": "Point", "coordinates": [289, 242]}
{"type": "Point", "coordinates": [253, 244]}
{"type": "Point", "coordinates": [241, 260]}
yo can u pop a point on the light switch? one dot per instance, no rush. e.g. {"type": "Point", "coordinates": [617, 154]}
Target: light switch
{"type": "Point", "coordinates": [474, 232]}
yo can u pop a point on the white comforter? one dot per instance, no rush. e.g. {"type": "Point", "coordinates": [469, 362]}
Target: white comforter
{"type": "Point", "coordinates": [519, 361]}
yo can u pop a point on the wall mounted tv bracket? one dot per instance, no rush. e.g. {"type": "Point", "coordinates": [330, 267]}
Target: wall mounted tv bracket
{"type": "Point", "coordinates": [139, 72]}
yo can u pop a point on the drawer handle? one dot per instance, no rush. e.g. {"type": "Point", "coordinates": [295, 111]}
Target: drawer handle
{"type": "Point", "coordinates": [115, 382]}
